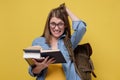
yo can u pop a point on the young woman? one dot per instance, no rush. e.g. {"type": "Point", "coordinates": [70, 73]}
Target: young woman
{"type": "Point", "coordinates": [56, 29]}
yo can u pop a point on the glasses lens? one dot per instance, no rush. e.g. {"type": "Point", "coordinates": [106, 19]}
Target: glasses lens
{"type": "Point", "coordinates": [60, 25]}
{"type": "Point", "coordinates": [53, 24]}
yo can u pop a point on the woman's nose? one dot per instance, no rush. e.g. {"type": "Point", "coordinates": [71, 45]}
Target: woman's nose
{"type": "Point", "coordinates": [56, 27]}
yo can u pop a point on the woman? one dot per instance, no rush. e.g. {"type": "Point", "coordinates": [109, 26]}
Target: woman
{"type": "Point", "coordinates": [56, 29]}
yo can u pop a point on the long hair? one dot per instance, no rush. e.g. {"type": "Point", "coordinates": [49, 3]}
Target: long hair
{"type": "Point", "coordinates": [61, 13]}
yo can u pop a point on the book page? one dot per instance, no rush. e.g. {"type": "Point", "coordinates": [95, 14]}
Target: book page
{"type": "Point", "coordinates": [40, 48]}
{"type": "Point", "coordinates": [34, 48]}
{"type": "Point", "coordinates": [50, 50]}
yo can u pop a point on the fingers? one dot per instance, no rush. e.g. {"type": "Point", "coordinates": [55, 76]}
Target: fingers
{"type": "Point", "coordinates": [45, 62]}
{"type": "Point", "coordinates": [42, 65]}
{"type": "Point", "coordinates": [50, 61]}
{"type": "Point", "coordinates": [46, 59]}
{"type": "Point", "coordinates": [35, 62]}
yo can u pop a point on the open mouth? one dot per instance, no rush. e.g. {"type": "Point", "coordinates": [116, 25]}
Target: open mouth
{"type": "Point", "coordinates": [56, 31]}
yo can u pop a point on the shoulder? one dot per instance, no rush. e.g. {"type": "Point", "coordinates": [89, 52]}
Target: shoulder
{"type": "Point", "coordinates": [38, 41]}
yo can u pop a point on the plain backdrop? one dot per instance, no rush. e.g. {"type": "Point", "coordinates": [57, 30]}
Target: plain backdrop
{"type": "Point", "coordinates": [23, 20]}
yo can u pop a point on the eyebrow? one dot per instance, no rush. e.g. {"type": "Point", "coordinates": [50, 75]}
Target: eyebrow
{"type": "Point", "coordinates": [56, 23]}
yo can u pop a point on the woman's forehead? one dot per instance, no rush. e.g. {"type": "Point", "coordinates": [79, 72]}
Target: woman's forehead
{"type": "Point", "coordinates": [55, 19]}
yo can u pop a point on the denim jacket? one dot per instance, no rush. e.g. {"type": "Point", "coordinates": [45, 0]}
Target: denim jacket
{"type": "Point", "coordinates": [79, 28]}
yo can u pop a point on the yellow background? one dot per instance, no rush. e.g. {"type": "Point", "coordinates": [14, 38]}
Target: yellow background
{"type": "Point", "coordinates": [23, 20]}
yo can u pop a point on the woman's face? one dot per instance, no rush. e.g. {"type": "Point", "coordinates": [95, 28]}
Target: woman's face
{"type": "Point", "coordinates": [56, 27]}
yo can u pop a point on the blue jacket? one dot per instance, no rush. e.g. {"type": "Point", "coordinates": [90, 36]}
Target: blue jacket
{"type": "Point", "coordinates": [79, 28]}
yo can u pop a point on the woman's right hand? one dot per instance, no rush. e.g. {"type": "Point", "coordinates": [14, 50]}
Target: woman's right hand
{"type": "Point", "coordinates": [42, 65]}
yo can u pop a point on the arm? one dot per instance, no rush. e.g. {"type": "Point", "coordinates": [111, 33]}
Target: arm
{"type": "Point", "coordinates": [71, 15]}
{"type": "Point", "coordinates": [78, 26]}
{"type": "Point", "coordinates": [67, 12]}
{"type": "Point", "coordinates": [79, 31]}
{"type": "Point", "coordinates": [40, 67]}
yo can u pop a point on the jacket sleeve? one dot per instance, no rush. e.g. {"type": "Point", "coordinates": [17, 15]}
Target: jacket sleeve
{"type": "Point", "coordinates": [30, 71]}
{"type": "Point", "coordinates": [79, 28]}
{"type": "Point", "coordinates": [37, 42]}
{"type": "Point", "coordinates": [41, 75]}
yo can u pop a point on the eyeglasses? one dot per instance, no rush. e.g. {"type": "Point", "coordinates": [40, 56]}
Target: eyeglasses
{"type": "Point", "coordinates": [53, 25]}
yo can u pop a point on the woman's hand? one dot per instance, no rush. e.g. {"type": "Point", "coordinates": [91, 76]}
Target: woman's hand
{"type": "Point", "coordinates": [71, 15]}
{"type": "Point", "coordinates": [42, 65]}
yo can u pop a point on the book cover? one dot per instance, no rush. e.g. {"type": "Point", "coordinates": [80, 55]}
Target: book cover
{"type": "Point", "coordinates": [39, 55]}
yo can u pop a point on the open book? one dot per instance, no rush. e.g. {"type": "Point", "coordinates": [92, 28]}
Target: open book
{"type": "Point", "coordinates": [37, 53]}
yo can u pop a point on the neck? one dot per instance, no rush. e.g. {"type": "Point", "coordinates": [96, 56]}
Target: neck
{"type": "Point", "coordinates": [53, 43]}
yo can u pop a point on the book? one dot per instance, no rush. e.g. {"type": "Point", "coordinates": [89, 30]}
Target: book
{"type": "Point", "coordinates": [37, 53]}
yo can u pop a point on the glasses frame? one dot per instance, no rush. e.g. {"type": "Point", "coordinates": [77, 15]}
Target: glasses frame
{"type": "Point", "coordinates": [59, 25]}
